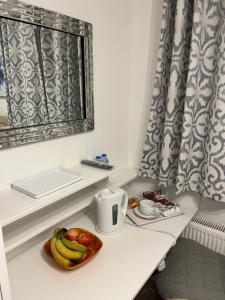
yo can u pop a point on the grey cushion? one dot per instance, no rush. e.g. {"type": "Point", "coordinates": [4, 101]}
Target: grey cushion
{"type": "Point", "coordinates": [193, 272]}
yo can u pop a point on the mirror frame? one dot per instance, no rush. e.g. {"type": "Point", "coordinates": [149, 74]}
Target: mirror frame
{"type": "Point", "coordinates": [17, 10]}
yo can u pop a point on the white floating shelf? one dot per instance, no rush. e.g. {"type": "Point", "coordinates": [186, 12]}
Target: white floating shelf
{"type": "Point", "coordinates": [18, 233]}
{"type": "Point", "coordinates": [15, 205]}
{"type": "Point", "coordinates": [25, 217]}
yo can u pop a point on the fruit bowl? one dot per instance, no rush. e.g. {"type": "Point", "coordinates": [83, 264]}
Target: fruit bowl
{"type": "Point", "coordinates": [92, 249]}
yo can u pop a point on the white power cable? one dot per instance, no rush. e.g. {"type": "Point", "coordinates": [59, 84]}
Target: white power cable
{"type": "Point", "coordinates": [165, 232]}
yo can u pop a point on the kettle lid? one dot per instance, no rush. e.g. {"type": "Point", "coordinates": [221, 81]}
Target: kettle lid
{"type": "Point", "coordinates": [110, 192]}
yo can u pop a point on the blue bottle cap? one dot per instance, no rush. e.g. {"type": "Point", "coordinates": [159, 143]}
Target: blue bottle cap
{"type": "Point", "coordinates": [98, 157]}
{"type": "Point", "coordinates": [104, 154]}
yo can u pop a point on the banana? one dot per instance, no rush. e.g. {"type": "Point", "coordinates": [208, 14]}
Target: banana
{"type": "Point", "coordinates": [67, 253]}
{"type": "Point", "coordinates": [57, 256]}
{"type": "Point", "coordinates": [56, 232]}
{"type": "Point", "coordinates": [59, 232]}
{"type": "Point", "coordinates": [73, 245]}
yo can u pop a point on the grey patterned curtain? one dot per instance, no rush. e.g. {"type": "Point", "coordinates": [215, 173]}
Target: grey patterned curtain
{"type": "Point", "coordinates": [26, 99]}
{"type": "Point", "coordinates": [61, 58]}
{"type": "Point", "coordinates": [185, 140]}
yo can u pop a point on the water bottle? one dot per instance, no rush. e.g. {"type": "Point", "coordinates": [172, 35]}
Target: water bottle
{"type": "Point", "coordinates": [104, 158]}
{"type": "Point", "coordinates": [98, 158]}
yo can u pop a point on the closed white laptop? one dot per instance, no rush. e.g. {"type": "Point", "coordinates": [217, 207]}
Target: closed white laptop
{"type": "Point", "coordinates": [44, 183]}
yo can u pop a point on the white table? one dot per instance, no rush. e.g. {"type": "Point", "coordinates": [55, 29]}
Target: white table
{"type": "Point", "coordinates": [126, 261]}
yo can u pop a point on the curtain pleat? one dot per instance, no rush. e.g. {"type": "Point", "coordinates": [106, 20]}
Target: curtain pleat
{"type": "Point", "coordinates": [60, 59]}
{"type": "Point", "coordinates": [25, 93]}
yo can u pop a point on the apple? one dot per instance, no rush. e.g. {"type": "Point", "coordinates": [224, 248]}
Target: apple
{"type": "Point", "coordinates": [84, 239]}
{"type": "Point", "coordinates": [72, 234]}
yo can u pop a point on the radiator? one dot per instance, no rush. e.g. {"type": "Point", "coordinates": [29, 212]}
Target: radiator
{"type": "Point", "coordinates": [211, 234]}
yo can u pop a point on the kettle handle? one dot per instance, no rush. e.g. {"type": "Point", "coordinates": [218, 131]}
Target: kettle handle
{"type": "Point", "coordinates": [124, 204]}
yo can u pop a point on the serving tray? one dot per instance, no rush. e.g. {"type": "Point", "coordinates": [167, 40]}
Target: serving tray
{"type": "Point", "coordinates": [137, 220]}
{"type": "Point", "coordinates": [47, 182]}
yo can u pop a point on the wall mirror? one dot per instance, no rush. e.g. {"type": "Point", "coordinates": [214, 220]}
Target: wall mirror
{"type": "Point", "coordinates": [46, 75]}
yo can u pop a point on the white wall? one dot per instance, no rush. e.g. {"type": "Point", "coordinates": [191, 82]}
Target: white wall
{"type": "Point", "coordinates": [146, 26]}
{"type": "Point", "coordinates": [111, 46]}
{"type": "Point", "coordinates": [212, 210]}
{"type": "Point", "coordinates": [126, 35]}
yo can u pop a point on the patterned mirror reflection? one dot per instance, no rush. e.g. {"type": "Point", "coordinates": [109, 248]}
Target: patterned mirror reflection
{"type": "Point", "coordinates": [45, 79]}
{"type": "Point", "coordinates": [43, 74]}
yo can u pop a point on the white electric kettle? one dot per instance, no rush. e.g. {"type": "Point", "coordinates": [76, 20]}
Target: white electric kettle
{"type": "Point", "coordinates": [111, 209]}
